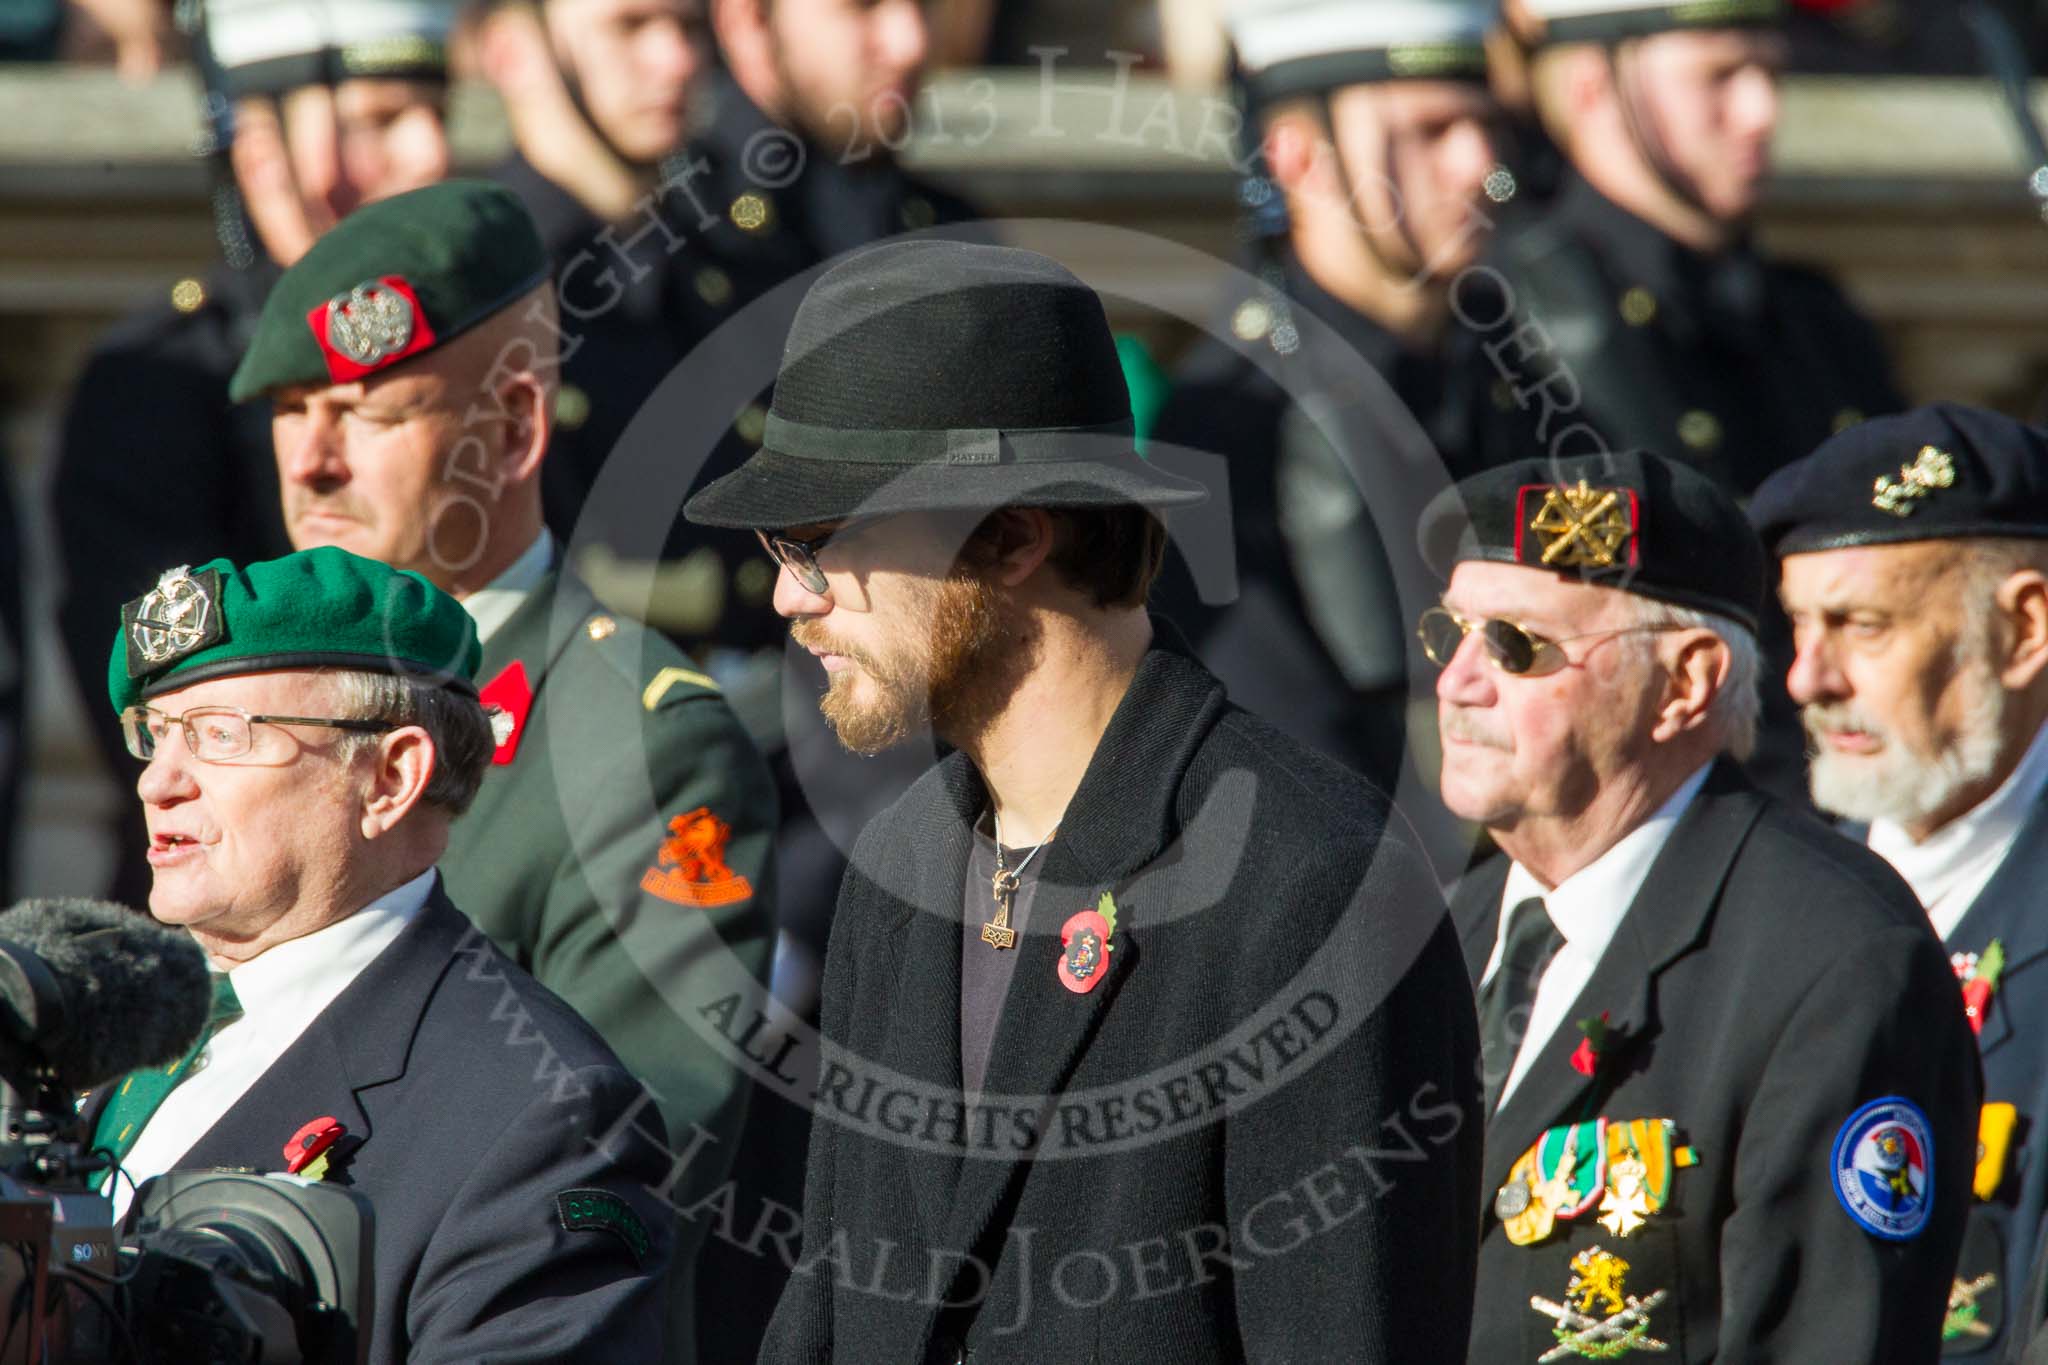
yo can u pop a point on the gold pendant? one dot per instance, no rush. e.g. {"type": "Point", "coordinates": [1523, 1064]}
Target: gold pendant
{"type": "Point", "coordinates": [998, 936]}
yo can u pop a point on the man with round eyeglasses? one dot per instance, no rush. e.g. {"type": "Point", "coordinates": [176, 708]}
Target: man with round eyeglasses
{"type": "Point", "coordinates": [311, 728]}
{"type": "Point", "coordinates": [1730, 1100]}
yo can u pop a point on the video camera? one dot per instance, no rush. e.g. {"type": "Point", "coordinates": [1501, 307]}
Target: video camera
{"type": "Point", "coordinates": [209, 1267]}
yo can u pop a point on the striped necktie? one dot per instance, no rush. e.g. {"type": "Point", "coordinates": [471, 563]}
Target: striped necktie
{"type": "Point", "coordinates": [141, 1092]}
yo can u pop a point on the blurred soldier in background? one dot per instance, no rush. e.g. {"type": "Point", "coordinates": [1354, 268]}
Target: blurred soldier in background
{"type": "Point", "coordinates": [1914, 566]}
{"type": "Point", "coordinates": [1376, 133]}
{"type": "Point", "coordinates": [317, 106]}
{"type": "Point", "coordinates": [805, 123]}
{"type": "Point", "coordinates": [598, 96]}
{"type": "Point", "coordinates": [619, 844]}
{"type": "Point", "coordinates": [1636, 313]}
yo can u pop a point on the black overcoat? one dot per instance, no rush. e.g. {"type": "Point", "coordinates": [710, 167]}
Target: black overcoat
{"type": "Point", "coordinates": [1254, 1139]}
{"type": "Point", "coordinates": [1768, 980]}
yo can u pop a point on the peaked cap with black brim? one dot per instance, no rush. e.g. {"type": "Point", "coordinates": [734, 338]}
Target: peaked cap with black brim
{"type": "Point", "coordinates": [1609, 21]}
{"type": "Point", "coordinates": [943, 376]}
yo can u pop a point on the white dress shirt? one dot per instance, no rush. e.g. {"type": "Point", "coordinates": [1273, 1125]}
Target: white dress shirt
{"type": "Point", "coordinates": [281, 990]}
{"type": "Point", "coordinates": [492, 605]}
{"type": "Point", "coordinates": [1587, 907]}
{"type": "Point", "coordinates": [1950, 867]}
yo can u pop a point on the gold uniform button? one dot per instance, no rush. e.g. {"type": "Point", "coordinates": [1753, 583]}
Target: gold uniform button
{"type": "Point", "coordinates": [572, 407]}
{"type": "Point", "coordinates": [1846, 418]}
{"type": "Point", "coordinates": [751, 212]}
{"type": "Point", "coordinates": [751, 423]}
{"type": "Point", "coordinates": [1638, 307]}
{"type": "Point", "coordinates": [714, 286]}
{"type": "Point", "coordinates": [601, 628]}
{"type": "Point", "coordinates": [1252, 320]}
{"type": "Point", "coordinates": [918, 213]}
{"type": "Point", "coordinates": [187, 296]}
{"type": "Point", "coordinates": [1700, 430]}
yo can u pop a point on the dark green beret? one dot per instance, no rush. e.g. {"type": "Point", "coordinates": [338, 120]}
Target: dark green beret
{"type": "Point", "coordinates": [323, 608]}
{"type": "Point", "coordinates": [1633, 521]}
{"type": "Point", "coordinates": [1936, 473]}
{"type": "Point", "coordinates": [391, 281]}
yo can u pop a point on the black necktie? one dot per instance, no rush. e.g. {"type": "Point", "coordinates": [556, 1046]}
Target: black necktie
{"type": "Point", "coordinates": [1526, 949]}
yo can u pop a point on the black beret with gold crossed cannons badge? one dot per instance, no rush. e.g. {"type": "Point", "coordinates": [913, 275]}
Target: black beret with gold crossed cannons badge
{"type": "Point", "coordinates": [1632, 521]}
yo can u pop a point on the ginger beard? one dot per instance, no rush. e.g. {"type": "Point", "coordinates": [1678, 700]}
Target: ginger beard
{"type": "Point", "coordinates": [935, 678]}
{"type": "Point", "coordinates": [1897, 783]}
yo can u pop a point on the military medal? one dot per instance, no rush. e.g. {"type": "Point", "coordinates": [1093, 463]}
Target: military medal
{"type": "Point", "coordinates": [1996, 1123]}
{"type": "Point", "coordinates": [1085, 946]}
{"type": "Point", "coordinates": [1523, 1217]}
{"type": "Point", "coordinates": [1640, 1157]}
{"type": "Point", "coordinates": [1599, 1318]}
{"type": "Point", "coordinates": [997, 933]}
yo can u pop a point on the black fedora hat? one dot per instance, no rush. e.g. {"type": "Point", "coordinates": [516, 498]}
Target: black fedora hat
{"type": "Point", "coordinates": [943, 376]}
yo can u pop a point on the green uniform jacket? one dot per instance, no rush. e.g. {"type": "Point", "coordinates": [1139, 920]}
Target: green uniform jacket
{"type": "Point", "coordinates": [624, 857]}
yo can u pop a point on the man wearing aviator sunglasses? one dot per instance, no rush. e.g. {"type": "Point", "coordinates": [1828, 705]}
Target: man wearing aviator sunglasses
{"type": "Point", "coordinates": [1702, 1013]}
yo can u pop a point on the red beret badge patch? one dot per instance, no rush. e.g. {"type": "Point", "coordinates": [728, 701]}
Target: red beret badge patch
{"type": "Point", "coordinates": [370, 327]}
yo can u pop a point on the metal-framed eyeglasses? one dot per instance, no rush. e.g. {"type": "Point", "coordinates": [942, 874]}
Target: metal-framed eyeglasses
{"type": "Point", "coordinates": [1513, 647]}
{"type": "Point", "coordinates": [220, 734]}
{"type": "Point", "coordinates": [800, 557]}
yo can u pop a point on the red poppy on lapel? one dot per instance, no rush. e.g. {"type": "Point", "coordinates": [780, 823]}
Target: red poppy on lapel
{"type": "Point", "coordinates": [1586, 1057]}
{"type": "Point", "coordinates": [306, 1153]}
{"type": "Point", "coordinates": [1085, 946]}
{"type": "Point", "coordinates": [507, 699]}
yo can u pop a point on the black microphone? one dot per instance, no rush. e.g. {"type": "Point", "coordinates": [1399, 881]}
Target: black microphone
{"type": "Point", "coordinates": [91, 991]}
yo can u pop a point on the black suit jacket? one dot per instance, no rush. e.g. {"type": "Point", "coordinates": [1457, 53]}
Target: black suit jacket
{"type": "Point", "coordinates": [2005, 1232]}
{"type": "Point", "coordinates": [472, 1097]}
{"type": "Point", "coordinates": [1254, 1139]}
{"type": "Point", "coordinates": [1769, 979]}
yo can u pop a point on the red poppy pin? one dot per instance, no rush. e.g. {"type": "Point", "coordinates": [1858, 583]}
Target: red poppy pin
{"type": "Point", "coordinates": [1085, 946]}
{"type": "Point", "coordinates": [1586, 1058]}
{"type": "Point", "coordinates": [306, 1154]}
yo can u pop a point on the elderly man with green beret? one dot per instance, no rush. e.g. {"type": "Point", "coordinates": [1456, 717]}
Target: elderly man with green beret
{"type": "Point", "coordinates": [311, 729]}
{"type": "Point", "coordinates": [620, 845]}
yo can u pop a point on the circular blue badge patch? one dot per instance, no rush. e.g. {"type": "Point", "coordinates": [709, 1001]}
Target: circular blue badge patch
{"type": "Point", "coordinates": [1884, 1168]}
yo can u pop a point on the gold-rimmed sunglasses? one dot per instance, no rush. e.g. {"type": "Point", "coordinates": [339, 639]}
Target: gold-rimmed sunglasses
{"type": "Point", "coordinates": [1512, 646]}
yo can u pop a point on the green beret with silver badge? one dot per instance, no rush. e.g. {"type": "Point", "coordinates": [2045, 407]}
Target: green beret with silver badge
{"type": "Point", "coordinates": [391, 281]}
{"type": "Point", "coordinates": [320, 608]}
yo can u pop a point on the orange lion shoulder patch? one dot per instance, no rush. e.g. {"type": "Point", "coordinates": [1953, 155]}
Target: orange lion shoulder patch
{"type": "Point", "coordinates": [690, 867]}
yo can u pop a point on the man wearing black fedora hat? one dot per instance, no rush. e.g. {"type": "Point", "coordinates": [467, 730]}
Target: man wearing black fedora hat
{"type": "Point", "coordinates": [1144, 1031]}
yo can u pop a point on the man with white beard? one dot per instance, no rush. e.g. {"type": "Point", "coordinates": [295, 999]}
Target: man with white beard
{"type": "Point", "coordinates": [1914, 568]}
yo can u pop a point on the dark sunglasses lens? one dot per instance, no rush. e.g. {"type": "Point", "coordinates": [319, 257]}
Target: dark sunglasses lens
{"type": "Point", "coordinates": [1440, 636]}
{"type": "Point", "coordinates": [798, 561]}
{"type": "Point", "coordinates": [1510, 646]}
